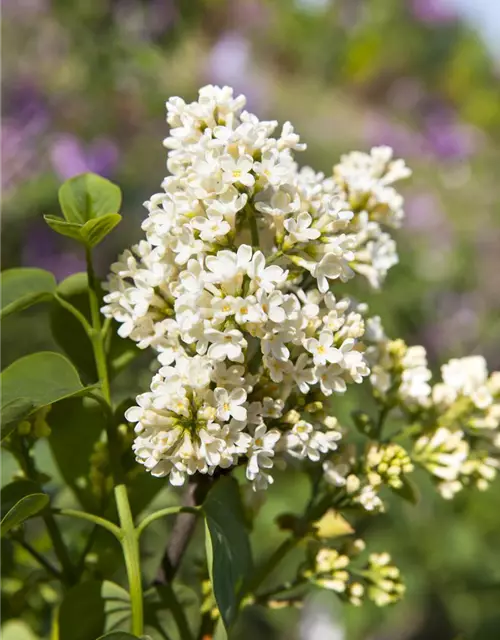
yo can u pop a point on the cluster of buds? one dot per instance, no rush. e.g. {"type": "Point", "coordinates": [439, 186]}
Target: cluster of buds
{"type": "Point", "coordinates": [387, 464]}
{"type": "Point", "coordinates": [378, 579]}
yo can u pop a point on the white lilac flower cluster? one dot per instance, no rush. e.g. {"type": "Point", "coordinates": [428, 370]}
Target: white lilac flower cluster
{"type": "Point", "coordinates": [232, 288]}
{"type": "Point", "coordinates": [459, 438]}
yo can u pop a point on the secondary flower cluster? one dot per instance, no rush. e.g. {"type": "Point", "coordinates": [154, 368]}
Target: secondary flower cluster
{"type": "Point", "coordinates": [378, 579]}
{"type": "Point", "coordinates": [232, 288]}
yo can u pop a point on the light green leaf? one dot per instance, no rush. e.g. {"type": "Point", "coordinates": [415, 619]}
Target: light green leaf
{"type": "Point", "coordinates": [63, 228]}
{"type": "Point", "coordinates": [90, 233]}
{"type": "Point", "coordinates": [94, 231]}
{"type": "Point", "coordinates": [228, 548]}
{"type": "Point", "coordinates": [76, 420]}
{"type": "Point", "coordinates": [22, 288]}
{"type": "Point", "coordinates": [88, 196]}
{"type": "Point", "coordinates": [22, 510]}
{"type": "Point", "coordinates": [17, 630]}
{"type": "Point", "coordinates": [40, 379]}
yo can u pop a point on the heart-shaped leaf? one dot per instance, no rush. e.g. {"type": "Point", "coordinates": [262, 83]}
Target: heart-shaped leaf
{"type": "Point", "coordinates": [88, 196]}
{"type": "Point", "coordinates": [24, 287]}
{"type": "Point", "coordinates": [38, 380]}
{"type": "Point", "coordinates": [22, 510]}
{"type": "Point", "coordinates": [228, 548]}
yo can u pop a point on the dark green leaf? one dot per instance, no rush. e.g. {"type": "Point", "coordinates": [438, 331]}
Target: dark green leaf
{"type": "Point", "coordinates": [161, 615]}
{"type": "Point", "coordinates": [408, 491]}
{"type": "Point", "coordinates": [14, 491]}
{"type": "Point", "coordinates": [81, 421]}
{"type": "Point", "coordinates": [40, 379]}
{"type": "Point", "coordinates": [72, 338]}
{"type": "Point", "coordinates": [63, 228]}
{"type": "Point", "coordinates": [118, 635]}
{"type": "Point", "coordinates": [22, 288]}
{"type": "Point", "coordinates": [93, 608]}
{"type": "Point", "coordinates": [26, 507]}
{"type": "Point", "coordinates": [228, 547]}
{"type": "Point", "coordinates": [13, 413]}
{"type": "Point", "coordinates": [67, 331]}
{"type": "Point", "coordinates": [95, 230]}
{"type": "Point", "coordinates": [88, 196]}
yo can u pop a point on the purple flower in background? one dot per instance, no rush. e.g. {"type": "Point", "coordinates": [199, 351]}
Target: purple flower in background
{"type": "Point", "coordinates": [378, 130]}
{"type": "Point", "coordinates": [424, 213]}
{"type": "Point", "coordinates": [42, 248]}
{"type": "Point", "coordinates": [229, 63]}
{"type": "Point", "coordinates": [25, 119]}
{"type": "Point", "coordinates": [69, 157]}
{"type": "Point", "coordinates": [449, 139]}
{"type": "Point", "coordinates": [433, 11]}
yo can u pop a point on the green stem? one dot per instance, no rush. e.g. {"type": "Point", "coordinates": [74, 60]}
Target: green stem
{"type": "Point", "coordinates": [272, 562]}
{"type": "Point", "coordinates": [254, 229]}
{"type": "Point", "coordinates": [168, 511]}
{"type": "Point", "coordinates": [39, 558]}
{"type": "Point", "coordinates": [53, 530]}
{"type": "Point", "coordinates": [90, 517]}
{"type": "Point", "coordinates": [96, 334]}
{"type": "Point", "coordinates": [130, 546]}
{"type": "Point", "coordinates": [74, 311]}
{"type": "Point", "coordinates": [97, 339]}
{"type": "Point", "coordinates": [178, 614]}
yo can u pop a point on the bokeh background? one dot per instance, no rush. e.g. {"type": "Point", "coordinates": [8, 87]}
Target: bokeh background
{"type": "Point", "coordinates": [84, 87]}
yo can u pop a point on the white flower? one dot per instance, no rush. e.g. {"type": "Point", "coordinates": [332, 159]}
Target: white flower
{"type": "Point", "coordinates": [323, 350]}
{"type": "Point", "coordinates": [300, 229]}
{"type": "Point", "coordinates": [229, 404]}
{"type": "Point", "coordinates": [228, 344]}
{"type": "Point", "coordinates": [211, 228]}
{"type": "Point", "coordinates": [237, 170]}
{"type": "Point", "coordinates": [263, 277]}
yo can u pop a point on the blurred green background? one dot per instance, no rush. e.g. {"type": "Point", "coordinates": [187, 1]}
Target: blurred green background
{"type": "Point", "coordinates": [84, 87]}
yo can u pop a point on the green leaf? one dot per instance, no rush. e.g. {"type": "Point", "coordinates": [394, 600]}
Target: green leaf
{"type": "Point", "coordinates": [91, 609]}
{"type": "Point", "coordinates": [22, 288]}
{"type": "Point", "coordinates": [76, 420]}
{"type": "Point", "coordinates": [228, 547]}
{"type": "Point", "coordinates": [408, 491]}
{"type": "Point", "coordinates": [17, 630]}
{"type": "Point", "coordinates": [14, 412]}
{"type": "Point", "coordinates": [63, 228]}
{"type": "Point", "coordinates": [67, 331]}
{"type": "Point", "coordinates": [40, 379]}
{"type": "Point", "coordinates": [22, 510]}
{"type": "Point", "coordinates": [117, 635]}
{"type": "Point", "coordinates": [94, 231]}
{"type": "Point", "coordinates": [88, 196]}
{"type": "Point", "coordinates": [90, 233]}
{"type": "Point", "coordinates": [159, 612]}
{"type": "Point", "coordinates": [14, 491]}
{"type": "Point", "coordinates": [74, 341]}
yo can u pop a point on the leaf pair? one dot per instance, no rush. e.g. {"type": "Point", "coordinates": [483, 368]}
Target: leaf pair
{"type": "Point", "coordinates": [89, 204]}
